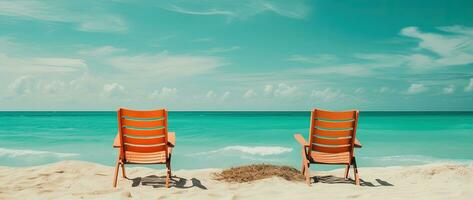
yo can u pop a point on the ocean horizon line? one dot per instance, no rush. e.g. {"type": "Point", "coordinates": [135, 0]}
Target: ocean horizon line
{"type": "Point", "coordinates": [372, 111]}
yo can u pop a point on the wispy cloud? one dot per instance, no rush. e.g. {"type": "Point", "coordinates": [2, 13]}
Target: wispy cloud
{"type": "Point", "coordinates": [164, 93]}
{"type": "Point", "coordinates": [316, 59]}
{"type": "Point", "coordinates": [113, 90]}
{"type": "Point", "coordinates": [327, 94]}
{"type": "Point", "coordinates": [250, 94]}
{"type": "Point", "coordinates": [455, 47]}
{"type": "Point", "coordinates": [222, 50]}
{"type": "Point", "coordinates": [240, 9]}
{"type": "Point", "coordinates": [450, 89]}
{"type": "Point", "coordinates": [342, 69]}
{"type": "Point", "coordinates": [179, 9]}
{"type": "Point", "coordinates": [23, 85]}
{"type": "Point", "coordinates": [85, 20]}
{"type": "Point", "coordinates": [281, 90]}
{"type": "Point", "coordinates": [416, 88]}
{"type": "Point", "coordinates": [384, 90]}
{"type": "Point", "coordinates": [213, 96]}
{"type": "Point", "coordinates": [38, 86]}
{"type": "Point", "coordinates": [451, 46]}
{"type": "Point", "coordinates": [22, 65]}
{"type": "Point", "coordinates": [102, 51]}
{"type": "Point", "coordinates": [469, 87]}
{"type": "Point", "coordinates": [165, 64]}
{"type": "Point", "coordinates": [205, 39]}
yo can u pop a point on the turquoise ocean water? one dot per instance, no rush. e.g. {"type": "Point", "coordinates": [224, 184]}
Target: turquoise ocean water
{"type": "Point", "coordinates": [223, 139]}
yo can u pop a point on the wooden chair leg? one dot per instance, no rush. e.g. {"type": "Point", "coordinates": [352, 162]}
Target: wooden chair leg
{"type": "Point", "coordinates": [168, 174]}
{"type": "Point", "coordinates": [347, 170]}
{"type": "Point", "coordinates": [123, 170]}
{"type": "Point", "coordinates": [303, 167]}
{"type": "Point", "coordinates": [304, 160]}
{"type": "Point", "coordinates": [355, 170]}
{"type": "Point", "coordinates": [307, 173]}
{"type": "Point", "coordinates": [169, 161]}
{"type": "Point", "coordinates": [116, 174]}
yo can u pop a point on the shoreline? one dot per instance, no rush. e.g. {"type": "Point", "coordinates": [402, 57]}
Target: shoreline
{"type": "Point", "coordinates": [79, 179]}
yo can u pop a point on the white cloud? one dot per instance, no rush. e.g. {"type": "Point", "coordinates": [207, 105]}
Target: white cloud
{"type": "Point", "coordinates": [164, 93]}
{"type": "Point", "coordinates": [222, 50]}
{"type": "Point", "coordinates": [453, 48]}
{"type": "Point", "coordinates": [450, 89]}
{"type": "Point", "coordinates": [316, 59]}
{"type": "Point", "coordinates": [225, 95]}
{"type": "Point", "coordinates": [419, 60]}
{"type": "Point", "coordinates": [280, 90]}
{"type": "Point", "coordinates": [105, 23]}
{"type": "Point", "coordinates": [205, 39]}
{"type": "Point", "coordinates": [385, 89]}
{"type": "Point", "coordinates": [360, 90]}
{"type": "Point", "coordinates": [40, 64]}
{"type": "Point", "coordinates": [416, 88]}
{"type": "Point", "coordinates": [164, 64]}
{"type": "Point", "coordinates": [284, 90]}
{"type": "Point", "coordinates": [469, 87]}
{"type": "Point", "coordinates": [214, 96]}
{"type": "Point", "coordinates": [268, 90]}
{"type": "Point", "coordinates": [179, 9]}
{"type": "Point", "coordinates": [85, 83]}
{"type": "Point", "coordinates": [102, 51]}
{"type": "Point", "coordinates": [379, 60]}
{"type": "Point", "coordinates": [113, 90]}
{"type": "Point", "coordinates": [86, 20]}
{"type": "Point", "coordinates": [55, 87]}
{"type": "Point", "coordinates": [211, 94]}
{"type": "Point", "coordinates": [249, 94]}
{"type": "Point", "coordinates": [457, 29]}
{"type": "Point", "coordinates": [240, 9]}
{"type": "Point", "coordinates": [23, 85]}
{"type": "Point", "coordinates": [439, 44]}
{"type": "Point", "coordinates": [37, 86]}
{"type": "Point", "coordinates": [327, 94]}
{"type": "Point", "coordinates": [346, 69]}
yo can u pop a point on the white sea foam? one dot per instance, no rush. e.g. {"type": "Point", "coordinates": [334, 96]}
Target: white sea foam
{"type": "Point", "coordinates": [13, 153]}
{"type": "Point", "coordinates": [255, 150]}
{"type": "Point", "coordinates": [414, 159]}
{"type": "Point", "coordinates": [410, 159]}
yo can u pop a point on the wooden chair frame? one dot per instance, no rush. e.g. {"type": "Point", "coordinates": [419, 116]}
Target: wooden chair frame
{"type": "Point", "coordinates": [331, 150]}
{"type": "Point", "coordinates": [143, 145]}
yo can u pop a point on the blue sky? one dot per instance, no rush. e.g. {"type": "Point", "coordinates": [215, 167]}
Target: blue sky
{"type": "Point", "coordinates": [236, 55]}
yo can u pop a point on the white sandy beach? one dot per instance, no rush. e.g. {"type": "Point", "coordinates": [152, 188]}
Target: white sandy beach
{"type": "Point", "coordinates": [83, 180]}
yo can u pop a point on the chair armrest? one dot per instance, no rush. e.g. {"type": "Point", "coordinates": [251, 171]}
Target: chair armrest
{"type": "Point", "coordinates": [172, 139]}
{"type": "Point", "coordinates": [301, 140]}
{"type": "Point", "coordinates": [357, 143]}
{"type": "Point", "coordinates": [117, 143]}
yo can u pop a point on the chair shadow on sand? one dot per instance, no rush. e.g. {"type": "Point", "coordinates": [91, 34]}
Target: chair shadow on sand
{"type": "Point", "coordinates": [159, 182]}
{"type": "Point", "coordinates": [329, 179]}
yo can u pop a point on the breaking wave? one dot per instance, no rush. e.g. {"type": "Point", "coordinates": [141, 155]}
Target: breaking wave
{"type": "Point", "coordinates": [14, 153]}
{"type": "Point", "coordinates": [255, 150]}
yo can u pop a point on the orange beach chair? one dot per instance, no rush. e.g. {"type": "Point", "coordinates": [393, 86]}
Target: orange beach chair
{"type": "Point", "coordinates": [331, 141]}
{"type": "Point", "coordinates": [143, 138]}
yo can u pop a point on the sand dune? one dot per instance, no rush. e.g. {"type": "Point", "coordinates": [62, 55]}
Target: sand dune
{"type": "Point", "coordinates": [83, 180]}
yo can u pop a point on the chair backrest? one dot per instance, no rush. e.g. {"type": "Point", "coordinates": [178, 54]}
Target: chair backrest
{"type": "Point", "coordinates": [333, 132]}
{"type": "Point", "coordinates": [143, 131]}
